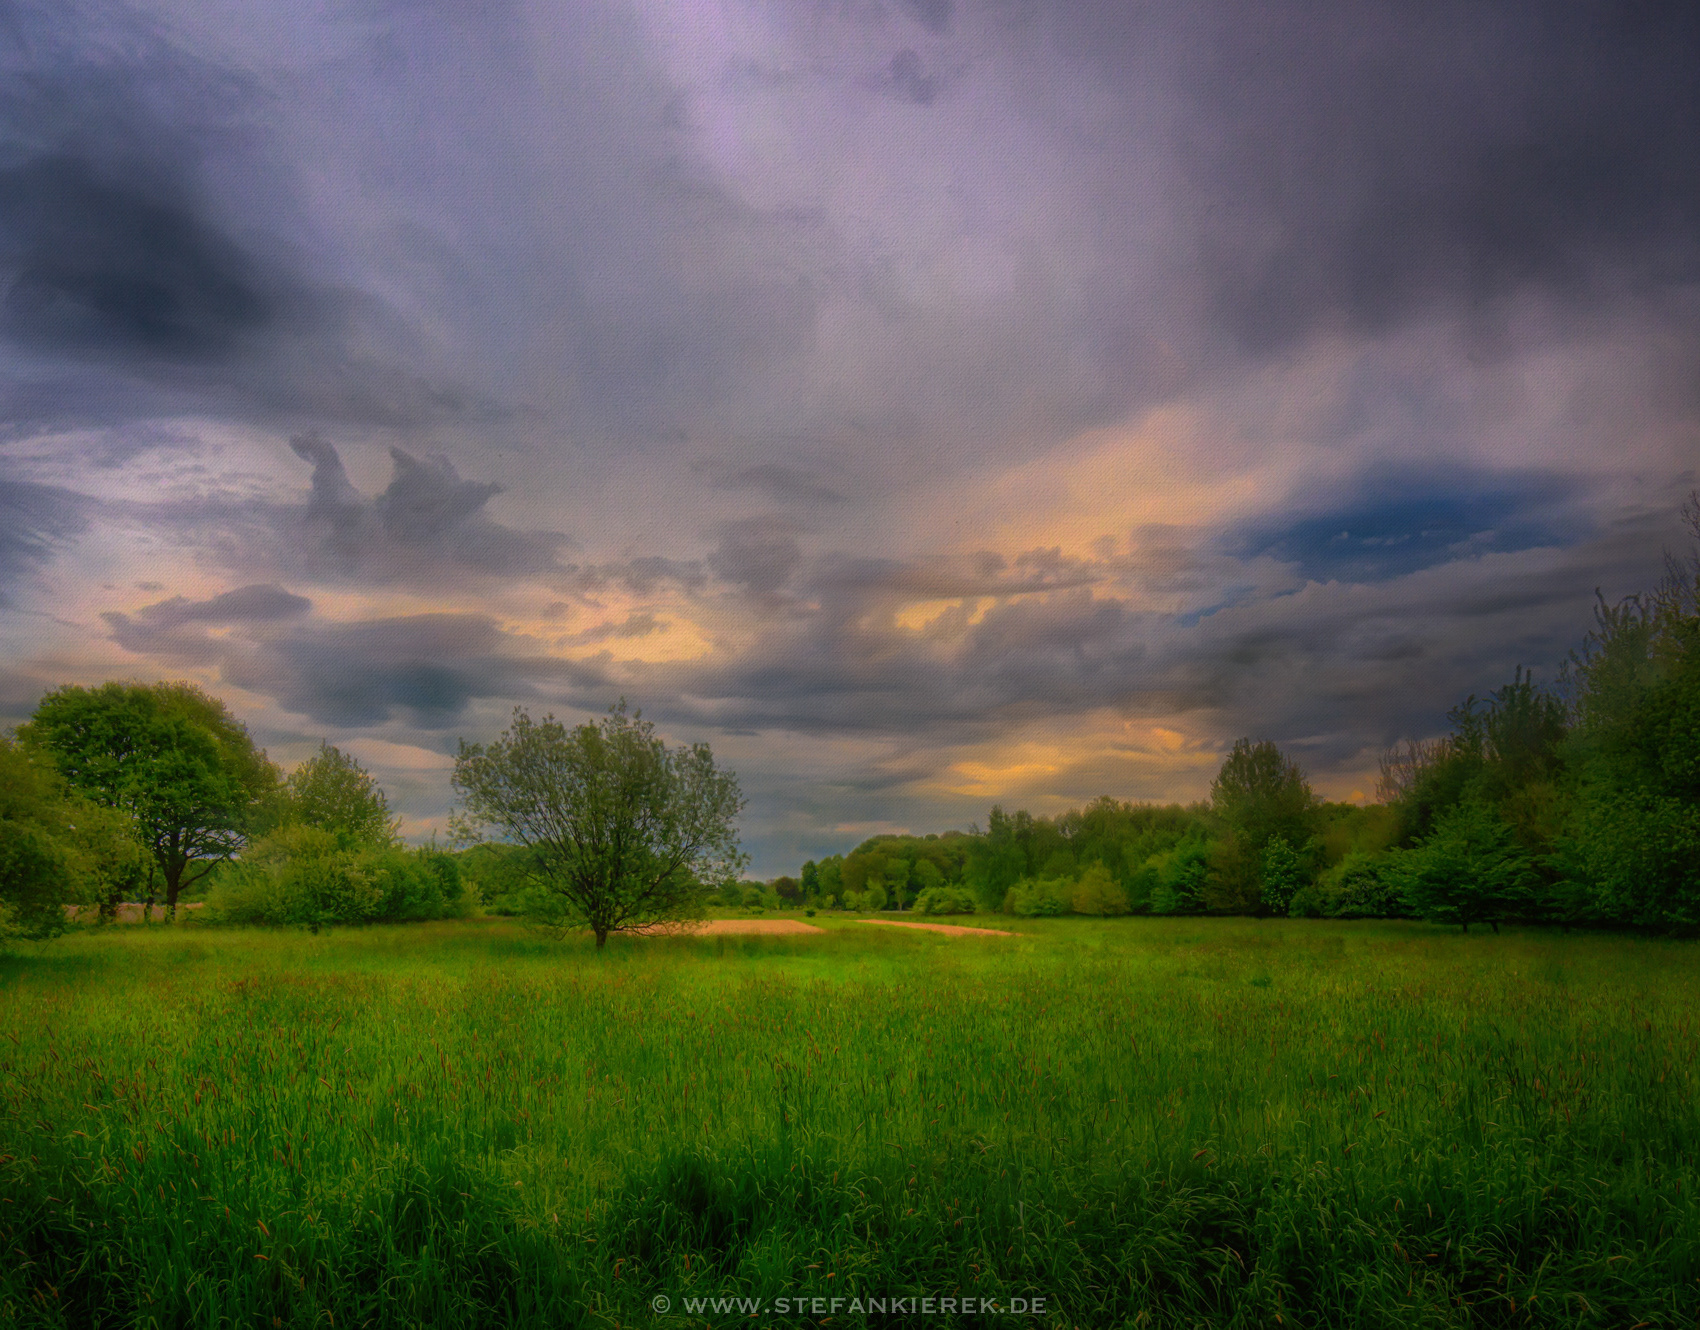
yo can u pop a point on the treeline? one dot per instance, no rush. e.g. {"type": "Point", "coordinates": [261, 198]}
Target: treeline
{"type": "Point", "coordinates": [1577, 804]}
{"type": "Point", "coordinates": [155, 793]}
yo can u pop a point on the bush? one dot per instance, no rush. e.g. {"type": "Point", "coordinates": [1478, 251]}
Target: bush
{"type": "Point", "coordinates": [1098, 893]}
{"type": "Point", "coordinates": [303, 875]}
{"type": "Point", "coordinates": [1043, 897]}
{"type": "Point", "coordinates": [946, 900]}
{"type": "Point", "coordinates": [1283, 875]}
{"type": "Point", "coordinates": [1181, 877]}
{"type": "Point", "coordinates": [1360, 886]}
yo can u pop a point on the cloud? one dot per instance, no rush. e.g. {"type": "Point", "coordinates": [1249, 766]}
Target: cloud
{"type": "Point", "coordinates": [424, 669]}
{"type": "Point", "coordinates": [789, 484]}
{"type": "Point", "coordinates": [1364, 172]}
{"type": "Point", "coordinates": [427, 517]}
{"type": "Point", "coordinates": [98, 265]}
{"type": "Point", "coordinates": [35, 520]}
{"type": "Point", "coordinates": [249, 604]}
{"type": "Point", "coordinates": [909, 81]}
{"type": "Point", "coordinates": [933, 15]}
{"type": "Point", "coordinates": [758, 553]}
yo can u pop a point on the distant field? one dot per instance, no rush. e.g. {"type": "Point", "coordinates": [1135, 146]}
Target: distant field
{"type": "Point", "coordinates": [1146, 1122]}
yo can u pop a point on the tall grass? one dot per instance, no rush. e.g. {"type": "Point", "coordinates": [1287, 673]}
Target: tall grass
{"type": "Point", "coordinates": [1146, 1122]}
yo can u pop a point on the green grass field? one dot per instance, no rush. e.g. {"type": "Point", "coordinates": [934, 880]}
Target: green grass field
{"type": "Point", "coordinates": [1145, 1122]}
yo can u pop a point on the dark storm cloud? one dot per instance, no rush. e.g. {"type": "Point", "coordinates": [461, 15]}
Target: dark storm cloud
{"type": "Point", "coordinates": [424, 669]}
{"type": "Point", "coordinates": [156, 257]}
{"type": "Point", "coordinates": [104, 266]}
{"type": "Point", "coordinates": [1440, 155]}
{"type": "Point", "coordinates": [249, 604]}
{"type": "Point", "coordinates": [35, 520]}
{"type": "Point", "coordinates": [642, 576]}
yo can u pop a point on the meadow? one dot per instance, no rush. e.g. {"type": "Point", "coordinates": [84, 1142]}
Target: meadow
{"type": "Point", "coordinates": [1143, 1122]}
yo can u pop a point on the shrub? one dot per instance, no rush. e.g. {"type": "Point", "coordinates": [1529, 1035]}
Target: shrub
{"type": "Point", "coordinates": [1283, 875]}
{"type": "Point", "coordinates": [946, 900]}
{"type": "Point", "coordinates": [1039, 897]}
{"type": "Point", "coordinates": [1181, 877]}
{"type": "Point", "coordinates": [303, 875]}
{"type": "Point", "coordinates": [1098, 893]}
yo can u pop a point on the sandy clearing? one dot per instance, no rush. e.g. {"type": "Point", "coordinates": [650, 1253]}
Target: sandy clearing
{"type": "Point", "coordinates": [734, 926]}
{"type": "Point", "coordinates": [940, 928]}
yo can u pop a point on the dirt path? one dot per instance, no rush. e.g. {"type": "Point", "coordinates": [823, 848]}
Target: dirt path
{"type": "Point", "coordinates": [940, 928]}
{"type": "Point", "coordinates": [736, 926]}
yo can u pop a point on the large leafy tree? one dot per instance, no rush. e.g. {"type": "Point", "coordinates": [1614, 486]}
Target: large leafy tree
{"type": "Point", "coordinates": [622, 831]}
{"type": "Point", "coordinates": [169, 756]}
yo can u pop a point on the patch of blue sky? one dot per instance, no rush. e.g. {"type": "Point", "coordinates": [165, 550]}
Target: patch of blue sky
{"type": "Point", "coordinates": [1390, 534]}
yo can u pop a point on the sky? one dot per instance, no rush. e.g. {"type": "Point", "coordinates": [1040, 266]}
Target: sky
{"type": "Point", "coordinates": [927, 403]}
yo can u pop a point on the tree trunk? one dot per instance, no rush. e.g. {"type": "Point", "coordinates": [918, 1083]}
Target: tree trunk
{"type": "Point", "coordinates": [1494, 924]}
{"type": "Point", "coordinates": [173, 885]}
{"type": "Point", "coordinates": [601, 938]}
{"type": "Point", "coordinates": [1466, 928]}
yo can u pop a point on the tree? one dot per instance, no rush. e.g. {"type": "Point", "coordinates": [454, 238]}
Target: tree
{"type": "Point", "coordinates": [1470, 870]}
{"type": "Point", "coordinates": [1259, 795]}
{"type": "Point", "coordinates": [56, 847]}
{"type": "Point", "coordinates": [333, 792]}
{"type": "Point", "coordinates": [168, 755]}
{"type": "Point", "coordinates": [624, 831]}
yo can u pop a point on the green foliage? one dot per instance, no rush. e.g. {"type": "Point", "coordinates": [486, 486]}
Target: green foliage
{"type": "Point", "coordinates": [307, 875]}
{"type": "Point", "coordinates": [1181, 876]}
{"type": "Point", "coordinates": [1040, 897]}
{"type": "Point", "coordinates": [333, 792]}
{"type": "Point", "coordinates": [1469, 870]}
{"type": "Point", "coordinates": [946, 900]}
{"type": "Point", "coordinates": [1282, 876]}
{"type": "Point", "coordinates": [57, 848]}
{"type": "Point", "coordinates": [1634, 838]}
{"type": "Point", "coordinates": [168, 757]}
{"type": "Point", "coordinates": [1096, 892]}
{"type": "Point", "coordinates": [624, 832]}
{"type": "Point", "coordinates": [1258, 797]}
{"type": "Point", "coordinates": [1361, 886]}
{"type": "Point", "coordinates": [496, 876]}
{"type": "Point", "coordinates": [1260, 793]}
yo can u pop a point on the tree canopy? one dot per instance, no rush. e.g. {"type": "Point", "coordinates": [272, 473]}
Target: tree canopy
{"type": "Point", "coordinates": [333, 792]}
{"type": "Point", "coordinates": [56, 847]}
{"type": "Point", "coordinates": [622, 832]}
{"type": "Point", "coordinates": [168, 755]}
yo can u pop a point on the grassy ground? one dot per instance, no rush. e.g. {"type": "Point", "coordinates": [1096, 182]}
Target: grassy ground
{"type": "Point", "coordinates": [1143, 1122]}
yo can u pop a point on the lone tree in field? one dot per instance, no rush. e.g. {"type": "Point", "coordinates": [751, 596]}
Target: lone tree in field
{"type": "Point", "coordinates": [623, 832]}
{"type": "Point", "coordinates": [168, 755]}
